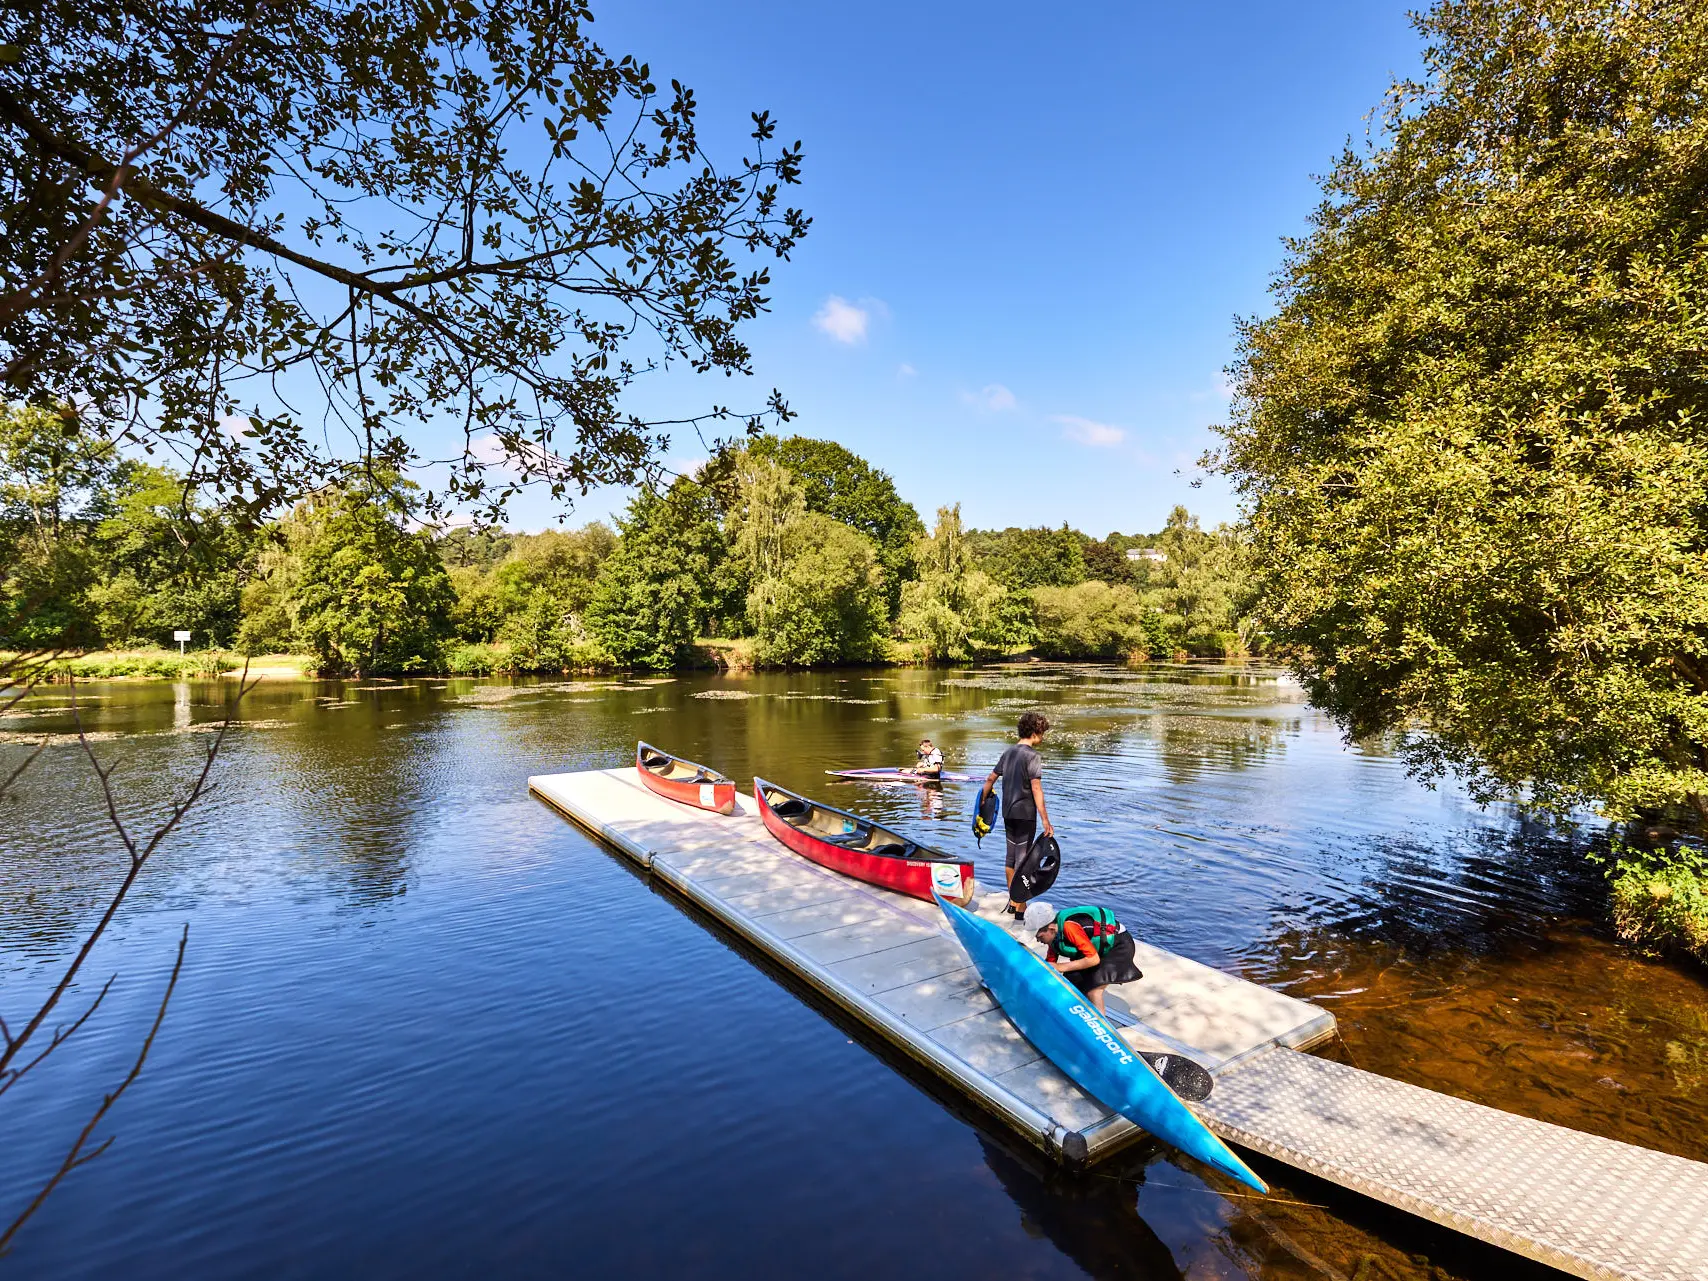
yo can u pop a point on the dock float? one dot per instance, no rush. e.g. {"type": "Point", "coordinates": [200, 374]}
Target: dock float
{"type": "Point", "coordinates": [1589, 1206]}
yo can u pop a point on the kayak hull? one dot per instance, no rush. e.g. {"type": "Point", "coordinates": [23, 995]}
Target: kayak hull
{"type": "Point", "coordinates": [1067, 1029]}
{"type": "Point", "coordinates": [859, 848]}
{"type": "Point", "coordinates": [684, 781]}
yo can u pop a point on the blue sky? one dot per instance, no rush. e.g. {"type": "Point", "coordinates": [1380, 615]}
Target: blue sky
{"type": "Point", "coordinates": [1033, 226]}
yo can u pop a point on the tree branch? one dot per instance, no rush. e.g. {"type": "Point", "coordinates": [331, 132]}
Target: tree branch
{"type": "Point", "coordinates": [76, 1156]}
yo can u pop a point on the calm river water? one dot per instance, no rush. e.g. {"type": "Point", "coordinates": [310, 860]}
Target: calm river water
{"type": "Point", "coordinates": [428, 1028]}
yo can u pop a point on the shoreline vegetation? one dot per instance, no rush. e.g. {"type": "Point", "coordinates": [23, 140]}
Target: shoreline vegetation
{"type": "Point", "coordinates": [782, 554]}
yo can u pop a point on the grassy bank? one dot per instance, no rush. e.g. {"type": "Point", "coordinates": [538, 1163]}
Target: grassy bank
{"type": "Point", "coordinates": [1660, 900]}
{"type": "Point", "coordinates": [168, 664]}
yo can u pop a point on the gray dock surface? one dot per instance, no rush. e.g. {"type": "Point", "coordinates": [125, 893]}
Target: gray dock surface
{"type": "Point", "coordinates": [1589, 1206]}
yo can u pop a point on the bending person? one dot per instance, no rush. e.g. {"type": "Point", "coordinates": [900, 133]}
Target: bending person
{"type": "Point", "coordinates": [1087, 945]}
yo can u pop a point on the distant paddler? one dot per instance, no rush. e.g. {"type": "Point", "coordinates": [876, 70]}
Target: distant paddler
{"type": "Point", "coordinates": [1087, 946]}
{"type": "Point", "coordinates": [927, 761]}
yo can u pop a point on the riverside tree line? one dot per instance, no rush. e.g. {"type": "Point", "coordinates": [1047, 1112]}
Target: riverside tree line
{"type": "Point", "coordinates": [784, 552]}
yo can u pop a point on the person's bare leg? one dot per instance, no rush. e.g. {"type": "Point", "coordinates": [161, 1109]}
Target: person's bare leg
{"type": "Point", "coordinates": [1095, 996]}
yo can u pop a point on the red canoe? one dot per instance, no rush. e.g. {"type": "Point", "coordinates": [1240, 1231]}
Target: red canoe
{"type": "Point", "coordinates": [859, 848]}
{"type": "Point", "coordinates": [684, 781]}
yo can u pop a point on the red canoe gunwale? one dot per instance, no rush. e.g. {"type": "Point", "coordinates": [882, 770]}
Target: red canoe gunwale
{"type": "Point", "coordinates": [681, 780]}
{"type": "Point", "coordinates": [862, 849]}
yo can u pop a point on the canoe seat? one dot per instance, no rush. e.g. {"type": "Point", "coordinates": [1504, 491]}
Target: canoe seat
{"type": "Point", "coordinates": [859, 836]}
{"type": "Point", "coordinates": [791, 808]}
{"type": "Point", "coordinates": [889, 850]}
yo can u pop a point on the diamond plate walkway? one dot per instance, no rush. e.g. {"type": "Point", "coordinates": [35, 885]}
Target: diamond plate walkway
{"type": "Point", "coordinates": [1589, 1206]}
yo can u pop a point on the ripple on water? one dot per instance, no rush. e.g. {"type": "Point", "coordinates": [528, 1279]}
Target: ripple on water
{"type": "Point", "coordinates": [427, 1024]}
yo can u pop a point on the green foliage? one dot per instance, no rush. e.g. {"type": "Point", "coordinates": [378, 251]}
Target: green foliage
{"type": "Point", "coordinates": [1200, 593]}
{"type": "Point", "coordinates": [954, 612]}
{"type": "Point", "coordinates": [1472, 436]}
{"type": "Point", "coordinates": [1022, 558]}
{"type": "Point", "coordinates": [1660, 899]}
{"type": "Point", "coordinates": [845, 486]}
{"type": "Point", "coordinates": [653, 591]}
{"type": "Point", "coordinates": [390, 199]}
{"type": "Point", "coordinates": [1107, 563]}
{"type": "Point", "coordinates": [1095, 620]}
{"type": "Point", "coordinates": [168, 562]}
{"type": "Point", "coordinates": [815, 585]}
{"type": "Point", "coordinates": [473, 547]}
{"type": "Point", "coordinates": [825, 603]}
{"type": "Point", "coordinates": [372, 597]}
{"type": "Point", "coordinates": [159, 664]}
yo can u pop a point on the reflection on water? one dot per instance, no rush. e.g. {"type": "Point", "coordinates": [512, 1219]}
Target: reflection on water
{"type": "Point", "coordinates": [428, 1028]}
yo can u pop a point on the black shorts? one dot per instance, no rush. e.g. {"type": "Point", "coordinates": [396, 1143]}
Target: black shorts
{"type": "Point", "coordinates": [1020, 832]}
{"type": "Point", "coordinates": [1118, 967]}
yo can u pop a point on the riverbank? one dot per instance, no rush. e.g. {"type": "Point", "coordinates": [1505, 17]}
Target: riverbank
{"type": "Point", "coordinates": [169, 665]}
{"type": "Point", "coordinates": [710, 654]}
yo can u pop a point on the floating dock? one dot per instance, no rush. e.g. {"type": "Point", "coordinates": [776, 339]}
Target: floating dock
{"type": "Point", "coordinates": [1589, 1206]}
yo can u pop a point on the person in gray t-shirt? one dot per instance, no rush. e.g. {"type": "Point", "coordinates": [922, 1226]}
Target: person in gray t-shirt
{"type": "Point", "coordinates": [1023, 808]}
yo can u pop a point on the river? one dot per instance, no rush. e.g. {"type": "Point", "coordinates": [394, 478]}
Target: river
{"type": "Point", "coordinates": [428, 1028]}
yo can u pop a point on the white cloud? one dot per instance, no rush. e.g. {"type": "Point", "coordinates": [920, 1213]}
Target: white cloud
{"type": "Point", "coordinates": [993, 396]}
{"type": "Point", "coordinates": [843, 320]}
{"type": "Point", "coordinates": [1086, 432]}
{"type": "Point", "coordinates": [906, 370]}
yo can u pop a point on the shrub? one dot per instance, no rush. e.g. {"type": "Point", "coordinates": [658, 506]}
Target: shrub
{"type": "Point", "coordinates": [1660, 899]}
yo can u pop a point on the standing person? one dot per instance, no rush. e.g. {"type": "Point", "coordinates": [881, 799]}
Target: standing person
{"type": "Point", "coordinates": [1023, 808]}
{"type": "Point", "coordinates": [928, 761]}
{"type": "Point", "coordinates": [1087, 945]}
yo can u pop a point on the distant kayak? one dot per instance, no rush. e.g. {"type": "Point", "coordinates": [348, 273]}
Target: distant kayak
{"type": "Point", "coordinates": [1067, 1029]}
{"type": "Point", "coordinates": [887, 775]}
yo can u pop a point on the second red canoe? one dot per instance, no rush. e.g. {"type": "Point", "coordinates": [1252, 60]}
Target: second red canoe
{"type": "Point", "coordinates": [859, 848]}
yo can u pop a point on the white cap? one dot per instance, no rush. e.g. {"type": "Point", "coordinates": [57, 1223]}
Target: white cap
{"type": "Point", "coordinates": [1038, 915]}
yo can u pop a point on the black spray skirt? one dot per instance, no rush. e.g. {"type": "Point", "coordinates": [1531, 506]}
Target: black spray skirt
{"type": "Point", "coordinates": [1118, 967]}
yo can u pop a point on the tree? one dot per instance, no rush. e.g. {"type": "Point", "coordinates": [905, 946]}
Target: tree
{"type": "Point", "coordinates": [1200, 592]}
{"type": "Point", "coordinates": [1022, 558]}
{"type": "Point", "coordinates": [408, 213]}
{"type": "Point", "coordinates": [167, 563]}
{"type": "Point", "coordinates": [540, 594]}
{"type": "Point", "coordinates": [54, 482]}
{"type": "Point", "coordinates": [845, 486]}
{"type": "Point", "coordinates": [654, 589]}
{"type": "Point", "coordinates": [955, 612]}
{"type": "Point", "coordinates": [1472, 435]}
{"type": "Point", "coordinates": [825, 604]}
{"type": "Point", "coordinates": [1093, 620]}
{"type": "Point", "coordinates": [372, 597]}
{"type": "Point", "coordinates": [1107, 563]}
{"type": "Point", "coordinates": [473, 547]}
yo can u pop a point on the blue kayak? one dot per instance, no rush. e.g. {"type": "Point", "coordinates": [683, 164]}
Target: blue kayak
{"type": "Point", "coordinates": [1067, 1029]}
